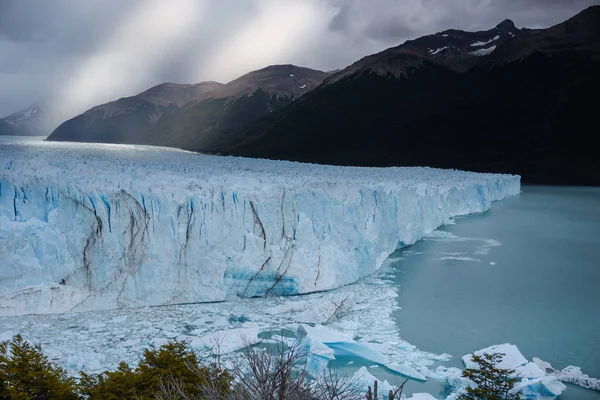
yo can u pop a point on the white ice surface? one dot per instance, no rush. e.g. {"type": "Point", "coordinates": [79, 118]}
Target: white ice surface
{"type": "Point", "coordinates": [91, 227]}
{"type": "Point", "coordinates": [99, 340]}
{"type": "Point", "coordinates": [364, 379]}
{"type": "Point", "coordinates": [570, 374]}
{"type": "Point", "coordinates": [511, 360]}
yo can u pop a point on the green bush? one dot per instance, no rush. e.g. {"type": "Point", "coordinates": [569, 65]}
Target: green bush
{"type": "Point", "coordinates": [26, 374]}
{"type": "Point", "coordinates": [157, 371]}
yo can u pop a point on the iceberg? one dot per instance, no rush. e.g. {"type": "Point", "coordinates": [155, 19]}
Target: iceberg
{"type": "Point", "coordinates": [570, 374]}
{"type": "Point", "coordinates": [535, 381]}
{"type": "Point", "coordinates": [97, 227]}
{"type": "Point", "coordinates": [363, 379]}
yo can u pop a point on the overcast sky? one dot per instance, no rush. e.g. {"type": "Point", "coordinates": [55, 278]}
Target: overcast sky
{"type": "Point", "coordinates": [79, 53]}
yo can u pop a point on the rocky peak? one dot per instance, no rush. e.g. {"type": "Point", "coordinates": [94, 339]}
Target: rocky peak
{"type": "Point", "coordinates": [507, 25]}
{"type": "Point", "coordinates": [454, 49]}
{"type": "Point", "coordinates": [279, 80]}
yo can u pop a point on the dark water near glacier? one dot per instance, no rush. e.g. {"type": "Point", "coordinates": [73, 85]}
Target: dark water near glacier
{"type": "Point", "coordinates": [536, 284]}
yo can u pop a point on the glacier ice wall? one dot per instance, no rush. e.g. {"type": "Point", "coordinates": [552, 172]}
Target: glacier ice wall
{"type": "Point", "coordinates": [88, 227]}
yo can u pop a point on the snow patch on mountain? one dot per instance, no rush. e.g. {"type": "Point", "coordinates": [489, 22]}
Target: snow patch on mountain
{"type": "Point", "coordinates": [479, 44]}
{"type": "Point", "coordinates": [483, 52]}
{"type": "Point", "coordinates": [436, 51]}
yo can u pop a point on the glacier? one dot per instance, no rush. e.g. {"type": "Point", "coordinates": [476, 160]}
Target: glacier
{"type": "Point", "coordinates": [97, 227]}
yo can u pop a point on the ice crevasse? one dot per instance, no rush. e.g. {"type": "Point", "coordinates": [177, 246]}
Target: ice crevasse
{"type": "Point", "coordinates": [88, 228]}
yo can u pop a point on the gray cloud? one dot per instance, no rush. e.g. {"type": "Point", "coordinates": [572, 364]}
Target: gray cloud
{"type": "Point", "coordinates": [75, 54]}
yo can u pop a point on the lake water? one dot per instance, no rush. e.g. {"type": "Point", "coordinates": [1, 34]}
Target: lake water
{"type": "Point", "coordinates": [526, 272]}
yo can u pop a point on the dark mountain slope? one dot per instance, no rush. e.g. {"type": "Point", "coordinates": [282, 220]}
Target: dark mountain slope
{"type": "Point", "coordinates": [195, 117]}
{"type": "Point", "coordinates": [209, 124]}
{"type": "Point", "coordinates": [7, 128]}
{"type": "Point", "coordinates": [30, 122]}
{"type": "Point", "coordinates": [129, 119]}
{"type": "Point", "coordinates": [528, 108]}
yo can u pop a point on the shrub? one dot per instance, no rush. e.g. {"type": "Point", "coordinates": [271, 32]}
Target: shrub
{"type": "Point", "coordinates": [172, 363]}
{"type": "Point", "coordinates": [25, 373]}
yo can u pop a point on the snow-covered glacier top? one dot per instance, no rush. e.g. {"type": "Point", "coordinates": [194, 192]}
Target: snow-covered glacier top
{"type": "Point", "coordinates": [94, 226]}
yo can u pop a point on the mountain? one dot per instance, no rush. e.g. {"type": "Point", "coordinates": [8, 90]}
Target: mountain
{"type": "Point", "coordinates": [209, 124]}
{"type": "Point", "coordinates": [29, 122]}
{"type": "Point", "coordinates": [7, 128]}
{"type": "Point", "coordinates": [505, 100]}
{"type": "Point", "coordinates": [454, 49]}
{"type": "Point", "coordinates": [195, 117]}
{"type": "Point", "coordinates": [128, 119]}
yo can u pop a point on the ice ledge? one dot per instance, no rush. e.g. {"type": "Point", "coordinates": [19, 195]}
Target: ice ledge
{"type": "Point", "coordinates": [110, 227]}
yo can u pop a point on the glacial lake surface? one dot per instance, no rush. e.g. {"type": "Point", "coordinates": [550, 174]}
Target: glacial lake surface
{"type": "Point", "coordinates": [527, 272]}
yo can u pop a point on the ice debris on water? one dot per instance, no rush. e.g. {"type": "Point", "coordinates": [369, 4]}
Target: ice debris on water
{"type": "Point", "coordinates": [535, 380]}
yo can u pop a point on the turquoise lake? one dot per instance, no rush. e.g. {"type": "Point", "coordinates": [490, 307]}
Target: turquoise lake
{"type": "Point", "coordinates": [526, 272]}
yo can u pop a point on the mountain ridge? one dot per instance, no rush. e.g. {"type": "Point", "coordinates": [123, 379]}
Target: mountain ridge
{"type": "Point", "coordinates": [527, 108]}
{"type": "Point", "coordinates": [158, 115]}
{"type": "Point", "coordinates": [28, 122]}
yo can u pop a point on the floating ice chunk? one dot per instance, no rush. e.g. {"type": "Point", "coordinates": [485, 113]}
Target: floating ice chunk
{"type": "Point", "coordinates": [364, 379]}
{"type": "Point", "coordinates": [456, 258]}
{"type": "Point", "coordinates": [529, 370]}
{"type": "Point", "coordinates": [406, 370]}
{"type": "Point", "coordinates": [546, 366]}
{"type": "Point", "coordinates": [547, 387]}
{"type": "Point", "coordinates": [168, 327]}
{"type": "Point", "coordinates": [451, 377]}
{"type": "Point", "coordinates": [535, 383]}
{"type": "Point", "coordinates": [326, 335]}
{"type": "Point", "coordinates": [7, 335]}
{"type": "Point", "coordinates": [158, 342]}
{"type": "Point", "coordinates": [119, 319]}
{"type": "Point", "coordinates": [328, 343]}
{"type": "Point", "coordinates": [511, 360]}
{"type": "Point", "coordinates": [321, 350]}
{"type": "Point", "coordinates": [357, 349]}
{"type": "Point", "coordinates": [86, 361]}
{"type": "Point", "coordinates": [227, 341]}
{"type": "Point", "coordinates": [129, 343]}
{"type": "Point", "coordinates": [570, 374]}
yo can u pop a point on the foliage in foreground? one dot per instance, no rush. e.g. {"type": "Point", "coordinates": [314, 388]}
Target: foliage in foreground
{"type": "Point", "coordinates": [25, 373]}
{"type": "Point", "coordinates": [173, 372]}
{"type": "Point", "coordinates": [493, 383]}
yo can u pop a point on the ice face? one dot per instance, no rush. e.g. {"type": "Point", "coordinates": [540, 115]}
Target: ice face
{"type": "Point", "coordinates": [92, 227]}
